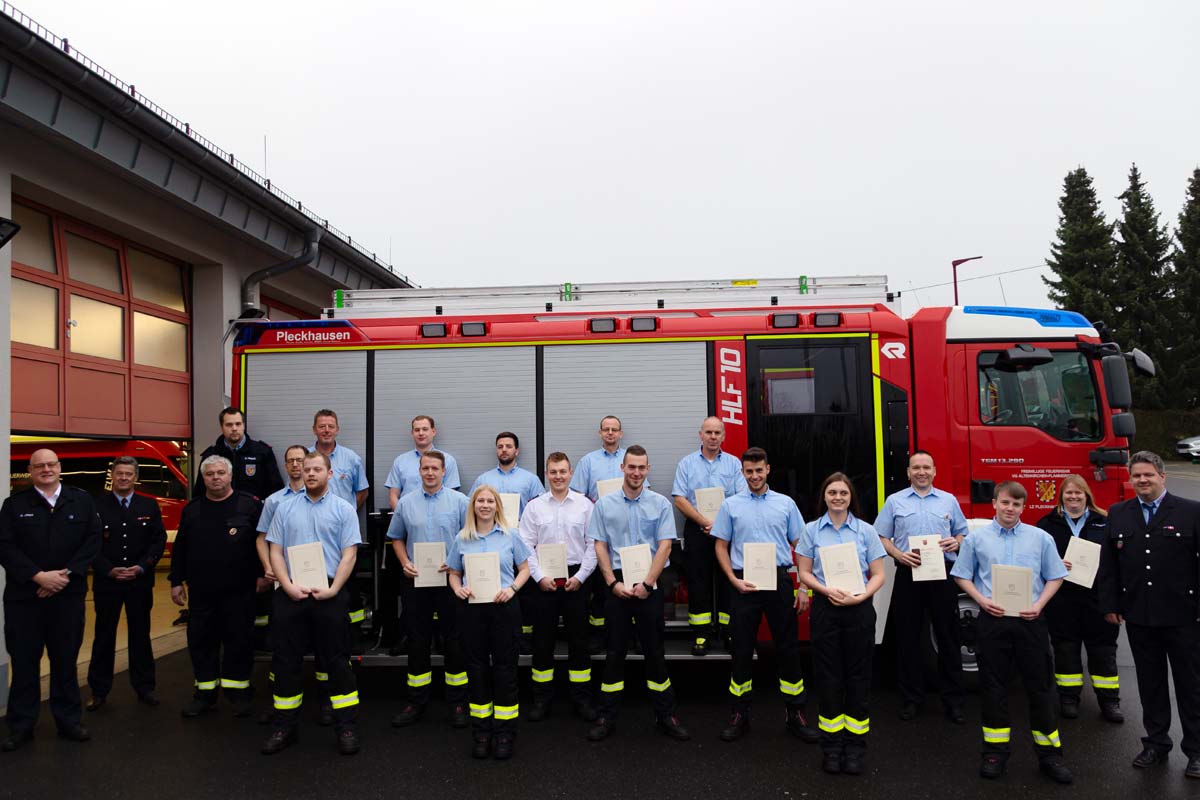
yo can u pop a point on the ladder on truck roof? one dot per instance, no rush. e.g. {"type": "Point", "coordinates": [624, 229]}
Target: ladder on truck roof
{"type": "Point", "coordinates": [635, 296]}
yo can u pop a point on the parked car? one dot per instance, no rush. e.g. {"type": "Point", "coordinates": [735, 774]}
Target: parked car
{"type": "Point", "coordinates": [1189, 448]}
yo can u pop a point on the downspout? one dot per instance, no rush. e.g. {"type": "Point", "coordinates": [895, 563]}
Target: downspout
{"type": "Point", "coordinates": [251, 295]}
{"type": "Point", "coordinates": [251, 307]}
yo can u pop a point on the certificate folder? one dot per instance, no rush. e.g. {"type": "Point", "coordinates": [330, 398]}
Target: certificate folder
{"type": "Point", "coordinates": [758, 566]}
{"type": "Point", "coordinates": [635, 564]}
{"type": "Point", "coordinates": [1085, 560]}
{"type": "Point", "coordinates": [306, 566]}
{"type": "Point", "coordinates": [482, 571]}
{"type": "Point", "coordinates": [839, 564]}
{"type": "Point", "coordinates": [1012, 588]}
{"type": "Point", "coordinates": [428, 558]}
{"type": "Point", "coordinates": [933, 563]}
{"type": "Point", "coordinates": [553, 560]}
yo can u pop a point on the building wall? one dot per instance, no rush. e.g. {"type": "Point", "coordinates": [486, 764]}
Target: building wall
{"type": "Point", "coordinates": [5, 401]}
{"type": "Point", "coordinates": [51, 174]}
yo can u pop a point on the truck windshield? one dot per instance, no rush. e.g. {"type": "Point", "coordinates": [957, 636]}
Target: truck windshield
{"type": "Point", "coordinates": [1058, 398]}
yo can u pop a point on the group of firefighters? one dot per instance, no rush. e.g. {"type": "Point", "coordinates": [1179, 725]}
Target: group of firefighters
{"type": "Point", "coordinates": [233, 551]}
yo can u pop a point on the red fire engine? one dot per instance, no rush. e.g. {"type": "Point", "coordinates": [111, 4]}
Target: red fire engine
{"type": "Point", "coordinates": [821, 372]}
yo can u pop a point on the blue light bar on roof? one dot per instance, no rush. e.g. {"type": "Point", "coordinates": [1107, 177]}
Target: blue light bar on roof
{"type": "Point", "coordinates": [1047, 318]}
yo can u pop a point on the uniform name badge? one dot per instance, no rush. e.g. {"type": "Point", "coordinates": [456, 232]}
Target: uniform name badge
{"type": "Point", "coordinates": [635, 564]}
{"type": "Point", "coordinates": [482, 571]}
{"type": "Point", "coordinates": [758, 566]}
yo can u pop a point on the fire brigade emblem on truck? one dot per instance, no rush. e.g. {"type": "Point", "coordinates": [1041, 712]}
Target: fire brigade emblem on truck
{"type": "Point", "coordinates": [1045, 490]}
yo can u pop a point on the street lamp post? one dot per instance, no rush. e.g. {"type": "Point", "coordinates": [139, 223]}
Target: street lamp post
{"type": "Point", "coordinates": [954, 266]}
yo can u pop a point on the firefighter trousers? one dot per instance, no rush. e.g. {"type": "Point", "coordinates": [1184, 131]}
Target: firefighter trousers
{"type": "Point", "coordinates": [647, 617]}
{"type": "Point", "coordinates": [1002, 644]}
{"type": "Point", "coordinates": [748, 611]}
{"type": "Point", "coordinates": [1075, 622]}
{"type": "Point", "coordinates": [489, 635]}
{"type": "Point", "coordinates": [843, 640]}
{"type": "Point", "coordinates": [911, 601]}
{"type": "Point", "coordinates": [419, 607]}
{"type": "Point", "coordinates": [320, 626]}
{"type": "Point", "coordinates": [573, 608]}
{"type": "Point", "coordinates": [220, 639]}
{"type": "Point", "coordinates": [700, 561]}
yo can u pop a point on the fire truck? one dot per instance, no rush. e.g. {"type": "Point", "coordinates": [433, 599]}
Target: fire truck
{"type": "Point", "coordinates": [821, 372]}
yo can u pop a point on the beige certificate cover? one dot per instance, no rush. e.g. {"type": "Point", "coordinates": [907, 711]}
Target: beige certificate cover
{"type": "Point", "coordinates": [1012, 588]}
{"type": "Point", "coordinates": [428, 558]}
{"type": "Point", "coordinates": [512, 508]}
{"type": "Point", "coordinates": [758, 565]}
{"type": "Point", "coordinates": [1085, 561]}
{"type": "Point", "coordinates": [553, 560]}
{"type": "Point", "coordinates": [839, 563]}
{"type": "Point", "coordinates": [708, 501]}
{"type": "Point", "coordinates": [306, 566]}
{"type": "Point", "coordinates": [635, 564]}
{"type": "Point", "coordinates": [482, 571]}
{"type": "Point", "coordinates": [608, 486]}
{"type": "Point", "coordinates": [933, 562]}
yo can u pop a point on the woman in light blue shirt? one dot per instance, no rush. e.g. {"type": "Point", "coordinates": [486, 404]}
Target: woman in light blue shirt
{"type": "Point", "coordinates": [489, 625]}
{"type": "Point", "coordinates": [842, 624]}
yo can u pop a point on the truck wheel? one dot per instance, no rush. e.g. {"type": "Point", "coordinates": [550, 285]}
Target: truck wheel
{"type": "Point", "coordinates": [968, 611]}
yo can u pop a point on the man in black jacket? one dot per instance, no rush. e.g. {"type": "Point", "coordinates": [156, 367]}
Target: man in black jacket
{"type": "Point", "coordinates": [49, 535]}
{"type": "Point", "coordinates": [133, 542]}
{"type": "Point", "coordinates": [1150, 579]}
{"type": "Point", "coordinates": [254, 467]}
{"type": "Point", "coordinates": [215, 555]}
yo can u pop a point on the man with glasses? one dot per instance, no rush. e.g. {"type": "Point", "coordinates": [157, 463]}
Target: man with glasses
{"type": "Point", "coordinates": [49, 536]}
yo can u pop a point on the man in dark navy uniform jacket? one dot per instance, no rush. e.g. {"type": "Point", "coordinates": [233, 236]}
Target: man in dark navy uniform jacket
{"type": "Point", "coordinates": [133, 541]}
{"type": "Point", "coordinates": [49, 535]}
{"type": "Point", "coordinates": [1150, 579]}
{"type": "Point", "coordinates": [254, 467]}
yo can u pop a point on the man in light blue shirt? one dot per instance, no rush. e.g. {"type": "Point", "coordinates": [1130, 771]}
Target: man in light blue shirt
{"type": "Point", "coordinates": [293, 462]}
{"type": "Point", "coordinates": [507, 477]}
{"type": "Point", "coordinates": [405, 474]}
{"type": "Point", "coordinates": [706, 468]}
{"type": "Point", "coordinates": [758, 515]}
{"type": "Point", "coordinates": [434, 514]}
{"type": "Point", "coordinates": [599, 465]}
{"type": "Point", "coordinates": [306, 612]}
{"type": "Point", "coordinates": [602, 464]}
{"type": "Point", "coordinates": [349, 477]}
{"type": "Point", "coordinates": [1004, 642]}
{"type": "Point", "coordinates": [634, 516]}
{"type": "Point", "coordinates": [922, 510]}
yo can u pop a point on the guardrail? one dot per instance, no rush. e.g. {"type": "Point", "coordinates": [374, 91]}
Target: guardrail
{"type": "Point", "coordinates": [64, 44]}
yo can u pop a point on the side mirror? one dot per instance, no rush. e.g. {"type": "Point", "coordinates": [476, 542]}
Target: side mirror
{"type": "Point", "coordinates": [1142, 363]}
{"type": "Point", "coordinates": [1116, 381]}
{"type": "Point", "coordinates": [1123, 424]}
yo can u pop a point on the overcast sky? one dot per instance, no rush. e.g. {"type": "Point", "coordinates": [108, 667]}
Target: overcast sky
{"type": "Point", "coordinates": [540, 142]}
